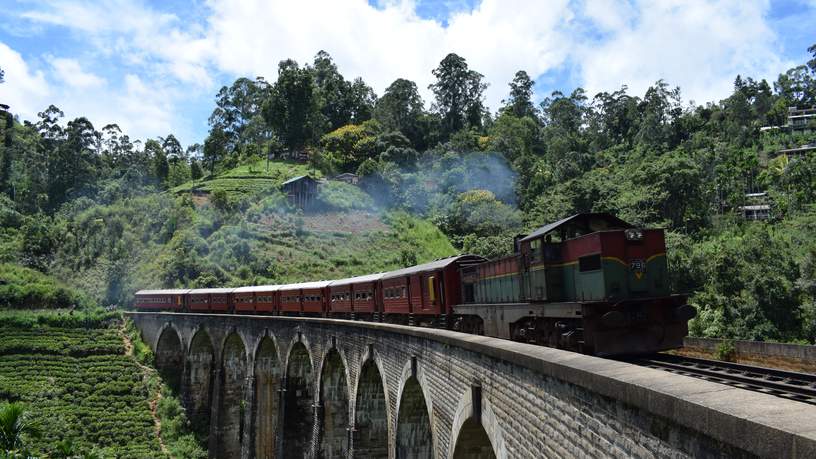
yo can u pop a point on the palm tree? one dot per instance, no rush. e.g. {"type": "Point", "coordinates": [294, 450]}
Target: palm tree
{"type": "Point", "coordinates": [14, 423]}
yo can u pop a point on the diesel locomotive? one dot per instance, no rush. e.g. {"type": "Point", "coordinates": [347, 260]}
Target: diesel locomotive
{"type": "Point", "coordinates": [590, 283]}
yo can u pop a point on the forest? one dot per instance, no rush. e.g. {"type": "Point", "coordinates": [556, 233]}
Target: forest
{"type": "Point", "coordinates": [89, 215]}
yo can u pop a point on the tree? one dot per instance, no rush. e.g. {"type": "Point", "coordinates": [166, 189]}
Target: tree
{"type": "Point", "coordinates": [292, 108]}
{"type": "Point", "coordinates": [459, 93]}
{"type": "Point", "coordinates": [238, 112]}
{"type": "Point", "coordinates": [214, 148]}
{"type": "Point", "coordinates": [341, 102]}
{"type": "Point", "coordinates": [195, 169]}
{"type": "Point", "coordinates": [400, 109]}
{"type": "Point", "coordinates": [161, 169]}
{"type": "Point", "coordinates": [2, 76]}
{"type": "Point", "coordinates": [660, 110]}
{"type": "Point", "coordinates": [521, 92]}
{"type": "Point", "coordinates": [172, 148]}
{"type": "Point", "coordinates": [811, 63]}
{"type": "Point", "coordinates": [797, 86]}
{"type": "Point", "coordinates": [14, 425]}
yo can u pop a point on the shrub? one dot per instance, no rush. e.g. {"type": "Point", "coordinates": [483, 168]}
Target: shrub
{"type": "Point", "coordinates": [726, 351]}
{"type": "Point", "coordinates": [24, 288]}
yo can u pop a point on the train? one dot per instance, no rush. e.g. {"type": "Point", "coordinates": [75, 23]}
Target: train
{"type": "Point", "coordinates": [590, 283]}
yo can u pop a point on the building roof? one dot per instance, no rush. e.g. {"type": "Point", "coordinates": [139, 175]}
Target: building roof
{"type": "Point", "coordinates": [756, 207]}
{"type": "Point", "coordinates": [588, 219]}
{"type": "Point", "coordinates": [801, 149]}
{"type": "Point", "coordinates": [430, 266]}
{"type": "Point", "coordinates": [171, 291]}
{"type": "Point", "coordinates": [356, 280]}
{"type": "Point", "coordinates": [210, 291]}
{"type": "Point", "coordinates": [297, 179]}
{"type": "Point", "coordinates": [304, 285]}
{"type": "Point", "coordinates": [257, 288]}
{"type": "Point", "coordinates": [345, 174]}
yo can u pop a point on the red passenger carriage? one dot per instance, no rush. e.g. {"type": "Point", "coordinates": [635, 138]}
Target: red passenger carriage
{"type": "Point", "coordinates": [161, 300]}
{"type": "Point", "coordinates": [354, 296]}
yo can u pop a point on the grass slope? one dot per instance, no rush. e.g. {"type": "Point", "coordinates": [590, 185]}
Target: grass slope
{"type": "Point", "coordinates": [250, 178]}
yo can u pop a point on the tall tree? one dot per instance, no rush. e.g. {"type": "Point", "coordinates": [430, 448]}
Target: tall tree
{"type": "Point", "coordinates": [400, 109]}
{"type": "Point", "coordinates": [292, 108]}
{"type": "Point", "coordinates": [660, 110]}
{"type": "Point", "coordinates": [341, 102]}
{"type": "Point", "coordinates": [459, 94]}
{"type": "Point", "coordinates": [161, 168]}
{"type": "Point", "coordinates": [811, 63]}
{"type": "Point", "coordinates": [172, 148]}
{"type": "Point", "coordinates": [238, 112]}
{"type": "Point", "coordinates": [797, 86]}
{"type": "Point", "coordinates": [520, 102]}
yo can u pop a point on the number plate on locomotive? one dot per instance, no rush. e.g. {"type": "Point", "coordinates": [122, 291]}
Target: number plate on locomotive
{"type": "Point", "coordinates": [638, 266]}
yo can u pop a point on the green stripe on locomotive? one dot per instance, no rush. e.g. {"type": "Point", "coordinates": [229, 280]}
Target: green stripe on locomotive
{"type": "Point", "coordinates": [616, 279]}
{"type": "Point", "coordinates": [565, 282]}
{"type": "Point", "coordinates": [498, 289]}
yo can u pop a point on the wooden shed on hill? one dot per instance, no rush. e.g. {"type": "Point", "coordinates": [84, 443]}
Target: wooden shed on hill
{"type": "Point", "coordinates": [300, 190]}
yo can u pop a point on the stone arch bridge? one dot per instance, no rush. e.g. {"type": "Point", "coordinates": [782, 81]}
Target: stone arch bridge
{"type": "Point", "coordinates": [269, 387]}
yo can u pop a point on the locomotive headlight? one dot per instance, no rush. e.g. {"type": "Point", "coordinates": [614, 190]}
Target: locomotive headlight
{"type": "Point", "coordinates": [634, 234]}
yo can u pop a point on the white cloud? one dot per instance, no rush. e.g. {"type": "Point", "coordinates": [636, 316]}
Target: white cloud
{"type": "Point", "coordinates": [497, 39]}
{"type": "Point", "coordinates": [699, 45]}
{"type": "Point", "coordinates": [134, 32]}
{"type": "Point", "coordinates": [156, 63]}
{"type": "Point", "coordinates": [25, 90]}
{"type": "Point", "coordinates": [142, 109]}
{"type": "Point", "coordinates": [71, 73]}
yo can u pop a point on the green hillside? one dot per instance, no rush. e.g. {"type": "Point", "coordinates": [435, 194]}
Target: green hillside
{"type": "Point", "coordinates": [237, 229]}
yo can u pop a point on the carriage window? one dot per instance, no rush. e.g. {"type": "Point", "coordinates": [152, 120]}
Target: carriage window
{"type": "Point", "coordinates": [589, 263]}
{"type": "Point", "coordinates": [431, 289]}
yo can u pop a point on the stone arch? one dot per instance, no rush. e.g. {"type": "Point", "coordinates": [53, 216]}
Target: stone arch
{"type": "Point", "coordinates": [334, 404]}
{"type": "Point", "coordinates": [232, 404]}
{"type": "Point", "coordinates": [465, 428]}
{"type": "Point", "coordinates": [170, 358]}
{"type": "Point", "coordinates": [298, 412]}
{"type": "Point", "coordinates": [199, 382]}
{"type": "Point", "coordinates": [473, 442]}
{"type": "Point", "coordinates": [370, 413]}
{"type": "Point", "coordinates": [267, 398]}
{"type": "Point", "coordinates": [414, 437]}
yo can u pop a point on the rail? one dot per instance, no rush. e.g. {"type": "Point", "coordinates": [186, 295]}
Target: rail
{"type": "Point", "coordinates": [787, 384]}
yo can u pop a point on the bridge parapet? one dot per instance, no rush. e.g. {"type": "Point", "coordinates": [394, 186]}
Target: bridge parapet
{"type": "Point", "coordinates": [333, 388]}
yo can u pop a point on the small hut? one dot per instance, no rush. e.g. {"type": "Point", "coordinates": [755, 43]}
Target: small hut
{"type": "Point", "coordinates": [300, 190]}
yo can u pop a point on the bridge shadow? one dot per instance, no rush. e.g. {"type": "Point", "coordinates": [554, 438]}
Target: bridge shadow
{"type": "Point", "coordinates": [370, 416]}
{"type": "Point", "coordinates": [267, 399]}
{"type": "Point", "coordinates": [335, 408]}
{"type": "Point", "coordinates": [414, 438]}
{"type": "Point", "coordinates": [298, 413]}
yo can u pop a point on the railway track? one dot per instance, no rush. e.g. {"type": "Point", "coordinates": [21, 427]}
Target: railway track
{"type": "Point", "coordinates": [786, 384]}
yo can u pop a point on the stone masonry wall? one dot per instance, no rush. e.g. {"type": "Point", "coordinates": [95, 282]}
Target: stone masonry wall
{"type": "Point", "coordinates": [531, 402]}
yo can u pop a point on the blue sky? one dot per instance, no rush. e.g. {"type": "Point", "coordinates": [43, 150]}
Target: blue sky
{"type": "Point", "coordinates": [153, 67]}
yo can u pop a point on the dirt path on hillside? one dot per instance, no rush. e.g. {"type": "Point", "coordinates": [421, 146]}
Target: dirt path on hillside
{"type": "Point", "coordinates": [155, 397]}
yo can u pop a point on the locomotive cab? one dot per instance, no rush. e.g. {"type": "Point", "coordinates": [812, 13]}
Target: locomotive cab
{"type": "Point", "coordinates": [594, 257]}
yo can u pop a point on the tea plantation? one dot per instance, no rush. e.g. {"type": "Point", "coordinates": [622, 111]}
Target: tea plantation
{"type": "Point", "coordinates": [77, 382]}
